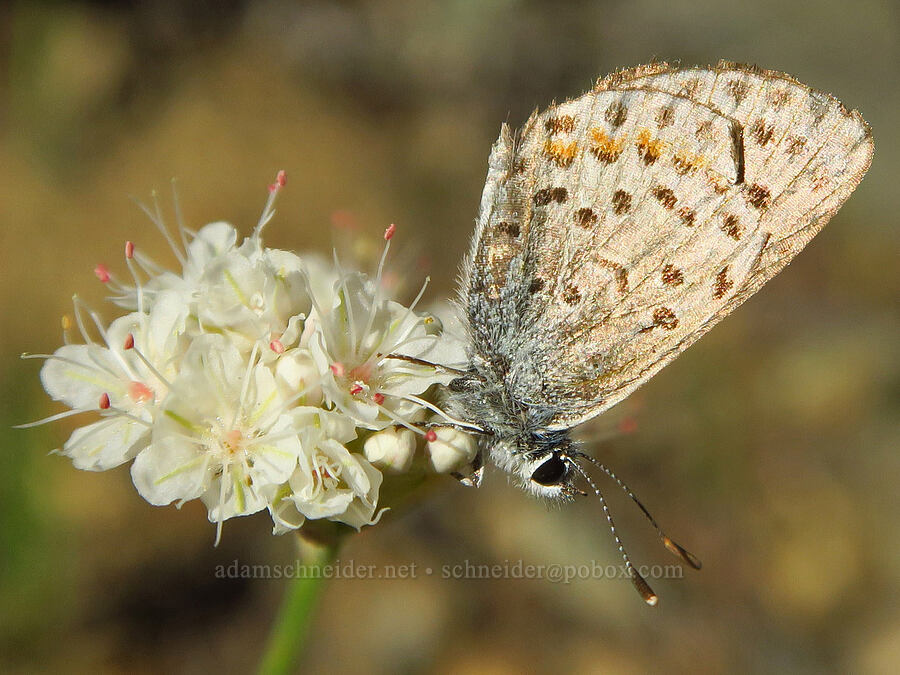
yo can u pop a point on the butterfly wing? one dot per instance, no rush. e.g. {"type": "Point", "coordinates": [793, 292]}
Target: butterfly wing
{"type": "Point", "coordinates": [629, 221]}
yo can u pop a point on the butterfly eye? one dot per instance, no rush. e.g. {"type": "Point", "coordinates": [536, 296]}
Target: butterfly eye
{"type": "Point", "coordinates": [550, 472]}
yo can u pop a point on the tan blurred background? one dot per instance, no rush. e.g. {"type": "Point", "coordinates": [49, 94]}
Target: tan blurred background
{"type": "Point", "coordinates": [769, 449]}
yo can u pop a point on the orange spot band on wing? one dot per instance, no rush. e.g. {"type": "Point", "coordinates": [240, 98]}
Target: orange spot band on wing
{"type": "Point", "coordinates": [649, 148]}
{"type": "Point", "coordinates": [604, 147]}
{"type": "Point", "coordinates": [563, 154]}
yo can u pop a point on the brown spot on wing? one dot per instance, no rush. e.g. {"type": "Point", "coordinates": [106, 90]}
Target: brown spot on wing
{"type": "Point", "coordinates": [559, 194]}
{"type": "Point", "coordinates": [620, 273]}
{"type": "Point", "coordinates": [686, 162]}
{"type": "Point", "coordinates": [704, 130]}
{"type": "Point", "coordinates": [672, 276]}
{"type": "Point", "coordinates": [738, 90]}
{"type": "Point", "coordinates": [762, 132]}
{"type": "Point", "coordinates": [508, 228]}
{"type": "Point", "coordinates": [778, 98]}
{"type": "Point", "coordinates": [586, 218]}
{"type": "Point", "coordinates": [621, 202]}
{"type": "Point", "coordinates": [690, 87]}
{"type": "Point", "coordinates": [665, 116]}
{"type": "Point", "coordinates": [622, 280]}
{"type": "Point", "coordinates": [665, 318]}
{"type": "Point", "coordinates": [537, 285]}
{"type": "Point", "coordinates": [723, 284]}
{"type": "Point", "coordinates": [560, 124]}
{"type": "Point", "coordinates": [664, 196]}
{"type": "Point", "coordinates": [758, 196]}
{"type": "Point", "coordinates": [616, 114]}
{"type": "Point", "coordinates": [718, 183]}
{"type": "Point", "coordinates": [552, 194]}
{"type": "Point", "coordinates": [731, 226]}
{"type": "Point", "coordinates": [687, 216]}
{"type": "Point", "coordinates": [796, 145]}
{"type": "Point", "coordinates": [571, 295]}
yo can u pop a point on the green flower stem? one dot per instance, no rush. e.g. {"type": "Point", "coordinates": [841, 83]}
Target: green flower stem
{"type": "Point", "coordinates": [290, 630]}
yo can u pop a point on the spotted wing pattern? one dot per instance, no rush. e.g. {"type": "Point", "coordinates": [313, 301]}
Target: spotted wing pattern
{"type": "Point", "coordinates": [625, 223]}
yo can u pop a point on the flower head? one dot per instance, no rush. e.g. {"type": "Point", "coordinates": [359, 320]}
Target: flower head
{"type": "Point", "coordinates": [253, 379]}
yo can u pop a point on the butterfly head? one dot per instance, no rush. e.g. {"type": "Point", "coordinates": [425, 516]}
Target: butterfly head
{"type": "Point", "coordinates": [541, 463]}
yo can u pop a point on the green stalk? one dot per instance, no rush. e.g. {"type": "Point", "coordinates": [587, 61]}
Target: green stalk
{"type": "Point", "coordinates": [290, 630]}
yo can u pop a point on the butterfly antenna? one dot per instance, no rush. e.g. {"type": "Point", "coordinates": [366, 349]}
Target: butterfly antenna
{"type": "Point", "coordinates": [639, 582]}
{"type": "Point", "coordinates": [674, 547]}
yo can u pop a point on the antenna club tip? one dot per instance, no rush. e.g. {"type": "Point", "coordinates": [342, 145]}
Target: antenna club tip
{"type": "Point", "coordinates": [682, 553]}
{"type": "Point", "coordinates": [389, 232]}
{"type": "Point", "coordinates": [643, 588]}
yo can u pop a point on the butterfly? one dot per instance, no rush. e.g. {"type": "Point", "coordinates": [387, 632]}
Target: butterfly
{"type": "Point", "coordinates": [615, 229]}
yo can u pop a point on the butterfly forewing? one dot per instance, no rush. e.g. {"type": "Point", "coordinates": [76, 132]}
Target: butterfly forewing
{"type": "Point", "coordinates": [627, 222]}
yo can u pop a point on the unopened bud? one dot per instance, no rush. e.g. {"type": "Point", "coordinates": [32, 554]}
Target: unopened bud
{"type": "Point", "coordinates": [452, 450]}
{"type": "Point", "coordinates": [391, 448]}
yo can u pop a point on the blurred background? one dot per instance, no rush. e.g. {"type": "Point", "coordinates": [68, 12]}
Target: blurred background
{"type": "Point", "coordinates": [770, 449]}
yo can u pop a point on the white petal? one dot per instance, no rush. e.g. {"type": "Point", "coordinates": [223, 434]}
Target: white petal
{"type": "Point", "coordinates": [106, 444]}
{"type": "Point", "coordinates": [262, 406]}
{"type": "Point", "coordinates": [450, 347]}
{"type": "Point", "coordinates": [233, 291]}
{"type": "Point", "coordinates": [294, 329]}
{"type": "Point", "coordinates": [170, 469]}
{"type": "Point", "coordinates": [167, 323]}
{"type": "Point", "coordinates": [285, 516]}
{"type": "Point", "coordinates": [78, 375]}
{"type": "Point", "coordinates": [273, 463]}
{"type": "Point", "coordinates": [361, 511]}
{"type": "Point", "coordinates": [327, 505]}
{"type": "Point", "coordinates": [211, 241]}
{"type": "Point", "coordinates": [236, 499]}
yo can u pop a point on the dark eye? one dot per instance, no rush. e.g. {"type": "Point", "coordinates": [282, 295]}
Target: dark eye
{"type": "Point", "coordinates": [550, 472]}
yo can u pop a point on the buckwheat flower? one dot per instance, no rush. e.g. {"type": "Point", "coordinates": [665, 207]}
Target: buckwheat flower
{"type": "Point", "coordinates": [329, 482]}
{"type": "Point", "coordinates": [206, 246]}
{"type": "Point", "coordinates": [224, 434]}
{"type": "Point", "coordinates": [243, 289]}
{"type": "Point", "coordinates": [374, 355]}
{"type": "Point", "coordinates": [253, 286]}
{"type": "Point", "coordinates": [122, 379]}
{"type": "Point", "coordinates": [250, 292]}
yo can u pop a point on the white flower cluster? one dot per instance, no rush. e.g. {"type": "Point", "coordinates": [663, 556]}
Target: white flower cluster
{"type": "Point", "coordinates": [253, 380]}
